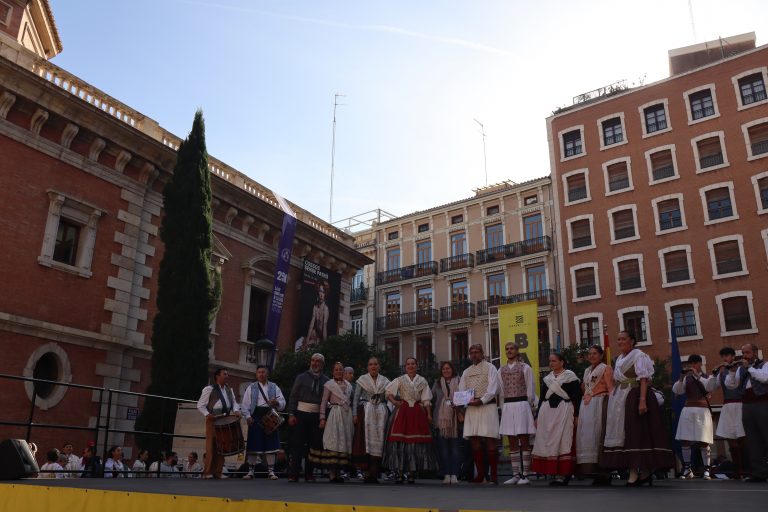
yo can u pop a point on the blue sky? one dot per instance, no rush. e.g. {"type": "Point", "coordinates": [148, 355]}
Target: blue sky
{"type": "Point", "coordinates": [415, 75]}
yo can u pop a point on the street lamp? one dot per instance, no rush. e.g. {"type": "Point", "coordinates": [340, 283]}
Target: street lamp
{"type": "Point", "coordinates": [265, 352]}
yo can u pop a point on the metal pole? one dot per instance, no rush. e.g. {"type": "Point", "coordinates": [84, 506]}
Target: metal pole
{"type": "Point", "coordinates": [333, 155]}
{"type": "Point", "coordinates": [106, 426]}
{"type": "Point", "coordinates": [31, 411]}
{"type": "Point", "coordinates": [485, 158]}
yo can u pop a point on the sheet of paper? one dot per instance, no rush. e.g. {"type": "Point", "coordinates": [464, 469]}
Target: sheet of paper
{"type": "Point", "coordinates": [461, 398]}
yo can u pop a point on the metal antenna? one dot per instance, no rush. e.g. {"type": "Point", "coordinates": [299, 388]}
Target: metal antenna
{"type": "Point", "coordinates": [693, 24]}
{"type": "Point", "coordinates": [485, 158]}
{"type": "Point", "coordinates": [333, 152]}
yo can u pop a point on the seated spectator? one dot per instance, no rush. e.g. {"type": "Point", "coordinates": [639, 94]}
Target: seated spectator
{"type": "Point", "coordinates": [73, 463]}
{"type": "Point", "coordinates": [52, 464]}
{"type": "Point", "coordinates": [91, 463]}
{"type": "Point", "coordinates": [139, 468]}
{"type": "Point", "coordinates": [114, 467]}
{"type": "Point", "coordinates": [192, 468]}
{"type": "Point", "coordinates": [168, 467]}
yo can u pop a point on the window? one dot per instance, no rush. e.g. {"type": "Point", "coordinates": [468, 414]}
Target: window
{"type": "Point", "coordinates": [457, 219]}
{"type": "Point", "coordinates": [676, 266]}
{"type": "Point", "coordinates": [701, 104]}
{"type": "Point", "coordinates": [572, 143]}
{"type": "Point", "coordinates": [392, 349]}
{"type": "Point", "coordinates": [581, 233]}
{"type": "Point", "coordinates": [423, 227]}
{"type": "Point", "coordinates": [752, 89]}
{"type": "Point", "coordinates": [492, 210]}
{"type": "Point", "coordinates": [669, 214]}
{"type": "Point", "coordinates": [392, 235]}
{"type": "Point", "coordinates": [393, 304]}
{"type": "Point", "coordinates": [618, 176]}
{"type": "Point", "coordinates": [459, 293]}
{"type": "Point", "coordinates": [727, 255]}
{"type": "Point", "coordinates": [423, 299]}
{"type": "Point", "coordinates": [576, 186]}
{"type": "Point", "coordinates": [709, 151]}
{"type": "Point", "coordinates": [5, 13]}
{"type": "Point", "coordinates": [634, 322]}
{"type": "Point", "coordinates": [589, 331]}
{"type": "Point", "coordinates": [586, 285]}
{"type": "Point", "coordinates": [718, 203]}
{"type": "Point", "coordinates": [613, 132]}
{"type": "Point", "coordinates": [459, 346]}
{"type": "Point", "coordinates": [655, 118]}
{"type": "Point", "coordinates": [661, 164]}
{"type": "Point", "coordinates": [423, 350]}
{"type": "Point", "coordinates": [357, 322]}
{"type": "Point", "coordinates": [536, 278]}
{"type": "Point", "coordinates": [458, 244]}
{"type": "Point", "coordinates": [258, 307]}
{"type": "Point", "coordinates": [532, 226]}
{"type": "Point", "coordinates": [756, 135]}
{"type": "Point", "coordinates": [629, 275]}
{"type": "Point", "coordinates": [70, 235]}
{"type": "Point", "coordinates": [761, 191]}
{"type": "Point", "coordinates": [495, 288]}
{"type": "Point", "coordinates": [623, 224]}
{"type": "Point", "coordinates": [424, 252]}
{"type": "Point", "coordinates": [46, 368]}
{"type": "Point", "coordinates": [529, 200]}
{"type": "Point", "coordinates": [685, 317]}
{"type": "Point", "coordinates": [494, 236]}
{"type": "Point", "coordinates": [393, 258]}
{"type": "Point", "coordinates": [736, 313]}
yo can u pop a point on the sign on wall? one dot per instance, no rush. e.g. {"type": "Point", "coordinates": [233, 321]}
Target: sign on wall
{"type": "Point", "coordinates": [519, 322]}
{"type": "Point", "coordinates": [318, 305]}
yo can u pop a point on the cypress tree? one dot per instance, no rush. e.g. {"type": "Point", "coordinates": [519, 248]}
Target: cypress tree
{"type": "Point", "coordinates": [186, 291]}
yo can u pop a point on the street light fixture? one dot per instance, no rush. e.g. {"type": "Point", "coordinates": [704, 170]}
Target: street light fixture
{"type": "Point", "coordinates": [265, 352]}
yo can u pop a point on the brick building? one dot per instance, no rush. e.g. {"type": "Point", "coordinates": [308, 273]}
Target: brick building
{"type": "Point", "coordinates": [662, 196]}
{"type": "Point", "coordinates": [81, 176]}
{"type": "Point", "coordinates": [439, 274]}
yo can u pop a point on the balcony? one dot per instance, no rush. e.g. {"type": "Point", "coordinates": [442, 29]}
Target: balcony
{"type": "Point", "coordinates": [623, 232]}
{"type": "Point", "coordinates": [577, 193]}
{"type": "Point", "coordinates": [586, 290]}
{"type": "Point", "coordinates": [462, 311]}
{"type": "Point", "coordinates": [758, 148]}
{"type": "Point", "coordinates": [682, 331]}
{"type": "Point", "coordinates": [515, 250]}
{"type": "Point", "coordinates": [658, 125]}
{"type": "Point", "coordinates": [728, 266]}
{"type": "Point", "coordinates": [670, 220]}
{"type": "Point", "coordinates": [358, 294]}
{"type": "Point", "coordinates": [618, 184]}
{"type": "Point", "coordinates": [746, 99]}
{"type": "Point", "coordinates": [457, 262]}
{"type": "Point", "coordinates": [711, 160]}
{"type": "Point", "coordinates": [409, 272]}
{"type": "Point", "coordinates": [630, 283]}
{"type": "Point", "coordinates": [675, 275]}
{"type": "Point", "coordinates": [542, 297]}
{"type": "Point", "coordinates": [405, 320]}
{"type": "Point", "coordinates": [661, 173]}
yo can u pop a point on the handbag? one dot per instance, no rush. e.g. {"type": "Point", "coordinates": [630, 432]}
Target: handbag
{"type": "Point", "coordinates": [271, 420]}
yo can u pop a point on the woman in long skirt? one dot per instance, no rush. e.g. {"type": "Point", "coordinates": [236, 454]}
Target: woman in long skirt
{"type": "Point", "coordinates": [446, 423]}
{"type": "Point", "coordinates": [409, 447]}
{"type": "Point", "coordinates": [370, 413]}
{"type": "Point", "coordinates": [596, 385]}
{"type": "Point", "coordinates": [553, 450]}
{"type": "Point", "coordinates": [635, 437]}
{"type": "Point", "coordinates": [337, 424]}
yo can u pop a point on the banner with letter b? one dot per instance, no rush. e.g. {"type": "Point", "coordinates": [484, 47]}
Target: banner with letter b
{"type": "Point", "coordinates": [519, 323]}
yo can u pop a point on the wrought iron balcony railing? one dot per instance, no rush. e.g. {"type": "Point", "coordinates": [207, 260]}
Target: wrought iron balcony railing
{"type": "Point", "coordinates": [457, 262]}
{"type": "Point", "coordinates": [409, 272]}
{"type": "Point", "coordinates": [667, 171]}
{"type": "Point", "coordinates": [405, 320]}
{"type": "Point", "coordinates": [760, 147]}
{"type": "Point", "coordinates": [543, 297]}
{"type": "Point", "coordinates": [711, 160]}
{"type": "Point", "coordinates": [515, 250]}
{"type": "Point", "coordinates": [358, 294]}
{"type": "Point", "coordinates": [457, 312]}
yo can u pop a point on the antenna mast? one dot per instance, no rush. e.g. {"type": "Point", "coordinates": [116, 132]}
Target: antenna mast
{"type": "Point", "coordinates": [485, 158]}
{"type": "Point", "coordinates": [333, 153]}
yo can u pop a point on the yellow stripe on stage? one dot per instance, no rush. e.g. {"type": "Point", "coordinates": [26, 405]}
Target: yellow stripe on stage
{"type": "Point", "coordinates": [23, 497]}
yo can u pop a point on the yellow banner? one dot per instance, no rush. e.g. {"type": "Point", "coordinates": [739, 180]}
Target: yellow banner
{"type": "Point", "coordinates": [519, 322]}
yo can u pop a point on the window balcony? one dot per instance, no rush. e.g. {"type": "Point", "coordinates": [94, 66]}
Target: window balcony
{"type": "Point", "coordinates": [621, 233]}
{"type": "Point", "coordinates": [582, 241]}
{"type": "Point", "coordinates": [407, 320]}
{"type": "Point", "coordinates": [655, 127]}
{"type": "Point", "coordinates": [630, 283]}
{"type": "Point", "coordinates": [746, 99]}
{"type": "Point", "coordinates": [409, 272]}
{"type": "Point", "coordinates": [758, 148]}
{"type": "Point", "coordinates": [542, 297]}
{"type": "Point", "coordinates": [577, 193]}
{"type": "Point", "coordinates": [358, 294]}
{"type": "Point", "coordinates": [676, 275]}
{"type": "Point", "coordinates": [586, 290]}
{"type": "Point", "coordinates": [701, 112]}
{"type": "Point", "coordinates": [728, 266]}
{"type": "Point", "coordinates": [711, 160]}
{"type": "Point", "coordinates": [660, 173]}
{"type": "Point", "coordinates": [673, 221]}
{"type": "Point", "coordinates": [614, 139]}
{"type": "Point", "coordinates": [515, 250]}
{"type": "Point", "coordinates": [457, 262]}
{"type": "Point", "coordinates": [682, 331]}
{"type": "Point", "coordinates": [465, 310]}
{"type": "Point", "coordinates": [618, 184]}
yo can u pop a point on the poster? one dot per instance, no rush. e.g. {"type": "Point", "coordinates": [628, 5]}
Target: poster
{"type": "Point", "coordinates": [318, 305]}
{"type": "Point", "coordinates": [519, 322]}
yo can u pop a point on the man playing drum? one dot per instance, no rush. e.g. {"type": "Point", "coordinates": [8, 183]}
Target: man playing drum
{"type": "Point", "coordinates": [216, 401]}
{"type": "Point", "coordinates": [259, 399]}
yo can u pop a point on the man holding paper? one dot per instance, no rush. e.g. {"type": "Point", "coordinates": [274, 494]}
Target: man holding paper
{"type": "Point", "coordinates": [481, 420]}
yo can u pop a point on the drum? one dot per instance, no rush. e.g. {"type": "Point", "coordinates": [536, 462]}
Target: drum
{"type": "Point", "coordinates": [229, 435]}
{"type": "Point", "coordinates": [270, 421]}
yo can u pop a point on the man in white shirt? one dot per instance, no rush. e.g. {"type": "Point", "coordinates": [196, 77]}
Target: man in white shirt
{"type": "Point", "coordinates": [755, 411]}
{"type": "Point", "coordinates": [258, 399]}
{"type": "Point", "coordinates": [216, 400]}
{"type": "Point", "coordinates": [518, 391]}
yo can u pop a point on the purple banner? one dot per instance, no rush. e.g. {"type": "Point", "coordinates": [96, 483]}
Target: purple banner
{"type": "Point", "coordinates": [281, 277]}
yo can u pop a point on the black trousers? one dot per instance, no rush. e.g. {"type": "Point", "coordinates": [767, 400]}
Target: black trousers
{"type": "Point", "coordinates": [754, 417]}
{"type": "Point", "coordinates": [306, 434]}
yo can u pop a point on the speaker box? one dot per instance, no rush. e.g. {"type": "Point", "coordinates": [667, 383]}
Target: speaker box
{"type": "Point", "coordinates": [17, 460]}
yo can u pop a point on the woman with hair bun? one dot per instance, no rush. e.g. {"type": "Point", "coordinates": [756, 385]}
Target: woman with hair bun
{"type": "Point", "coordinates": [596, 385]}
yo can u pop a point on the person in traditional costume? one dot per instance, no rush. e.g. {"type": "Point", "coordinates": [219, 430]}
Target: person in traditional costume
{"type": "Point", "coordinates": [260, 398]}
{"type": "Point", "coordinates": [518, 390]}
{"type": "Point", "coordinates": [553, 450]}
{"type": "Point", "coordinates": [370, 415]}
{"type": "Point", "coordinates": [336, 424]}
{"type": "Point", "coordinates": [409, 443]}
{"type": "Point", "coordinates": [635, 437]}
{"type": "Point", "coordinates": [216, 400]}
{"type": "Point", "coordinates": [445, 421]}
{"type": "Point", "coordinates": [730, 426]}
{"type": "Point", "coordinates": [694, 427]}
{"type": "Point", "coordinates": [304, 417]}
{"type": "Point", "coordinates": [481, 417]}
{"type": "Point", "coordinates": [114, 467]}
{"type": "Point", "coordinates": [754, 413]}
{"type": "Point", "coordinates": [590, 431]}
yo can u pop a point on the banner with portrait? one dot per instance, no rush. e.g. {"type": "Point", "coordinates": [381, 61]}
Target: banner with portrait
{"type": "Point", "coordinates": [519, 322]}
{"type": "Point", "coordinates": [318, 305]}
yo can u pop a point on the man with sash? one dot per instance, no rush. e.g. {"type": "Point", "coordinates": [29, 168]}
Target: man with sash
{"type": "Point", "coordinates": [259, 399]}
{"type": "Point", "coordinates": [754, 412]}
{"type": "Point", "coordinates": [216, 400]}
{"type": "Point", "coordinates": [694, 427]}
{"type": "Point", "coordinates": [481, 420]}
{"type": "Point", "coordinates": [519, 394]}
{"type": "Point", "coordinates": [304, 417]}
{"type": "Point", "coordinates": [730, 426]}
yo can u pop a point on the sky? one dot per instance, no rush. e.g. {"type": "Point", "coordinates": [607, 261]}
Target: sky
{"type": "Point", "coordinates": [415, 75]}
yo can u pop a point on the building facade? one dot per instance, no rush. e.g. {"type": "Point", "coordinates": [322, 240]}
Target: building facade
{"type": "Point", "coordinates": [440, 274]}
{"type": "Point", "coordinates": [662, 196]}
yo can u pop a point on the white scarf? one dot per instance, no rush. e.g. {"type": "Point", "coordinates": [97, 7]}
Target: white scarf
{"type": "Point", "coordinates": [373, 387]}
{"type": "Point", "coordinates": [592, 376]}
{"type": "Point", "coordinates": [624, 363]}
{"type": "Point", "coordinates": [554, 384]}
{"type": "Point", "coordinates": [341, 394]}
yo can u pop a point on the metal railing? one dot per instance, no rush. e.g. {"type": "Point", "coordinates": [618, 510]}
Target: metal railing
{"type": "Point", "coordinates": [728, 266]}
{"type": "Point", "coordinates": [515, 250]}
{"type": "Point", "coordinates": [573, 150]}
{"type": "Point", "coordinates": [686, 330]}
{"type": "Point", "coordinates": [358, 294]}
{"type": "Point", "coordinates": [461, 311]}
{"type": "Point", "coordinates": [630, 283]}
{"type": "Point", "coordinates": [620, 233]}
{"type": "Point", "coordinates": [759, 147]}
{"type": "Point", "coordinates": [711, 160]}
{"type": "Point", "coordinates": [410, 319]}
{"type": "Point", "coordinates": [577, 193]}
{"type": "Point", "coordinates": [402, 273]}
{"type": "Point", "coordinates": [655, 127]}
{"type": "Point", "coordinates": [698, 113]}
{"type": "Point", "coordinates": [614, 139]}
{"type": "Point", "coordinates": [667, 171]}
{"type": "Point", "coordinates": [582, 241]}
{"type": "Point", "coordinates": [542, 297]}
{"type": "Point", "coordinates": [457, 262]}
{"type": "Point", "coordinates": [746, 99]}
{"type": "Point", "coordinates": [618, 184]}
{"type": "Point", "coordinates": [586, 290]}
{"type": "Point", "coordinates": [676, 275]}
{"type": "Point", "coordinates": [671, 221]}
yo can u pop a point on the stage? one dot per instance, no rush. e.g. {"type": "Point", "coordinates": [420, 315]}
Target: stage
{"type": "Point", "coordinates": [190, 495]}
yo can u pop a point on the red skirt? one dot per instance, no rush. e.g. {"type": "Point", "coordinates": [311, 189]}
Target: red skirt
{"type": "Point", "coordinates": [410, 425]}
{"type": "Point", "coordinates": [562, 465]}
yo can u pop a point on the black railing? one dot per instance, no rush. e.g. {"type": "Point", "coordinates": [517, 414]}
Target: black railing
{"type": "Point", "coordinates": [586, 290]}
{"type": "Point", "coordinates": [621, 233]}
{"type": "Point", "coordinates": [659, 173]}
{"type": "Point", "coordinates": [582, 241]}
{"type": "Point", "coordinates": [573, 150]}
{"type": "Point", "coordinates": [614, 139]}
{"type": "Point", "coordinates": [746, 99]}
{"type": "Point", "coordinates": [457, 262]}
{"type": "Point", "coordinates": [759, 147]}
{"type": "Point", "coordinates": [542, 297]}
{"type": "Point", "coordinates": [658, 125]}
{"type": "Point", "coordinates": [673, 221]}
{"type": "Point", "coordinates": [711, 160]}
{"type": "Point", "coordinates": [719, 211]}
{"type": "Point", "coordinates": [358, 294]}
{"type": "Point", "coordinates": [457, 312]}
{"type": "Point", "coordinates": [404, 320]}
{"type": "Point", "coordinates": [699, 113]}
{"type": "Point", "coordinates": [515, 250]}
{"type": "Point", "coordinates": [686, 330]}
{"type": "Point", "coordinates": [618, 184]}
{"type": "Point", "coordinates": [676, 275]}
{"type": "Point", "coordinates": [729, 266]}
{"type": "Point", "coordinates": [409, 272]}
{"type": "Point", "coordinates": [577, 193]}
{"type": "Point", "coordinates": [764, 197]}
{"type": "Point", "coordinates": [630, 283]}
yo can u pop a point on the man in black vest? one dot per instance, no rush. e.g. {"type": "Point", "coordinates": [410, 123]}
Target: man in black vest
{"type": "Point", "coordinates": [755, 412]}
{"type": "Point", "coordinates": [216, 400]}
{"type": "Point", "coordinates": [304, 417]}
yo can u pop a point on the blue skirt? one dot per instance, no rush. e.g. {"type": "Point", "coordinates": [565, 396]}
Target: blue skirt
{"type": "Point", "coordinates": [259, 442]}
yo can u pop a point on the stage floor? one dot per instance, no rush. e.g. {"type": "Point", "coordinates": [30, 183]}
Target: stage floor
{"type": "Point", "coordinates": [260, 494]}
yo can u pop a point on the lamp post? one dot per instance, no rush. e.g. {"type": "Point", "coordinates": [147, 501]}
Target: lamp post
{"type": "Point", "coordinates": [265, 352]}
